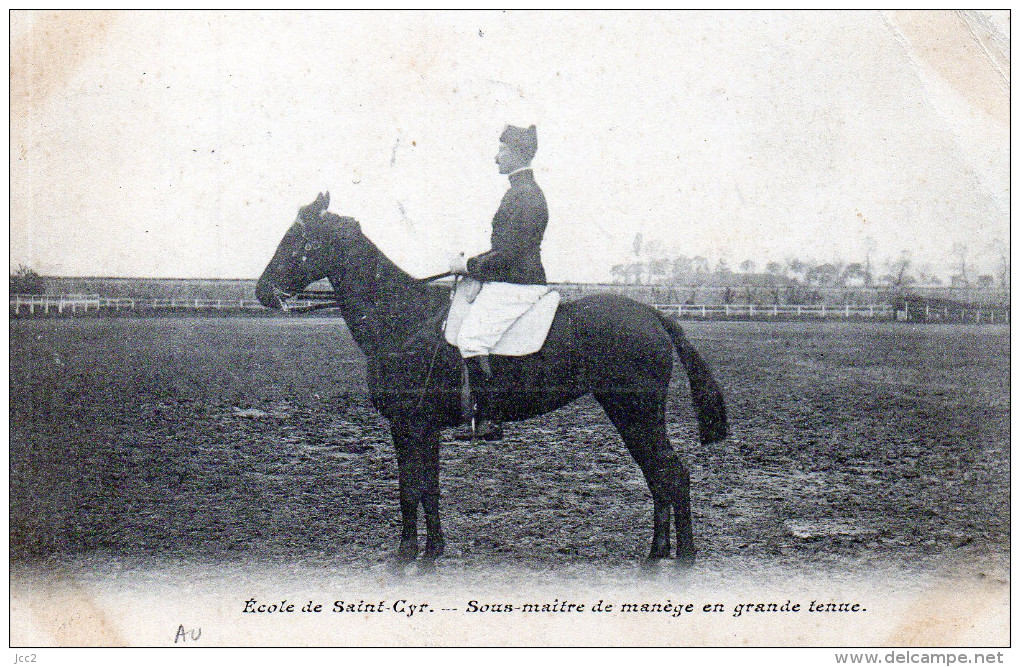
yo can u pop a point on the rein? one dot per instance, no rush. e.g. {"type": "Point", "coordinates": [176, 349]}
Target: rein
{"type": "Point", "coordinates": [331, 300]}
{"type": "Point", "coordinates": [323, 300]}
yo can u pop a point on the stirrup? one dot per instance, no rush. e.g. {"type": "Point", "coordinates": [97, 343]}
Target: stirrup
{"type": "Point", "coordinates": [485, 429]}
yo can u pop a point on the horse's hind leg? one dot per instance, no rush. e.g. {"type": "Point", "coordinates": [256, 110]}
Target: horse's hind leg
{"type": "Point", "coordinates": [682, 512]}
{"type": "Point", "coordinates": [640, 419]}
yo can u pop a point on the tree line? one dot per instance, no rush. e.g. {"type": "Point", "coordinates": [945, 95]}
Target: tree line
{"type": "Point", "coordinates": [651, 266]}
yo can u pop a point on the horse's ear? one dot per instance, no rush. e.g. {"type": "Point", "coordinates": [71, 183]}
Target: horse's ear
{"type": "Point", "coordinates": [325, 203]}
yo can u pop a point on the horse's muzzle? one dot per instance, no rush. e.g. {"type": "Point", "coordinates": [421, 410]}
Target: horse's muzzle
{"type": "Point", "coordinates": [268, 294]}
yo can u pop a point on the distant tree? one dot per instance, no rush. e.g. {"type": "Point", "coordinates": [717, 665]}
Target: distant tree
{"type": "Point", "coordinates": [748, 266]}
{"type": "Point", "coordinates": [699, 264]}
{"type": "Point", "coordinates": [722, 266]}
{"type": "Point", "coordinates": [619, 273]}
{"type": "Point", "coordinates": [1000, 250]}
{"type": "Point", "coordinates": [960, 252]}
{"type": "Point", "coordinates": [637, 272]}
{"type": "Point", "coordinates": [869, 249]}
{"type": "Point", "coordinates": [653, 248]}
{"type": "Point", "coordinates": [681, 269]}
{"type": "Point", "coordinates": [897, 271]}
{"type": "Point", "coordinates": [796, 269]}
{"type": "Point", "coordinates": [822, 275]}
{"type": "Point", "coordinates": [658, 270]}
{"type": "Point", "coordinates": [985, 281]}
{"type": "Point", "coordinates": [774, 268]}
{"type": "Point", "coordinates": [26, 281]}
{"type": "Point", "coordinates": [854, 275]}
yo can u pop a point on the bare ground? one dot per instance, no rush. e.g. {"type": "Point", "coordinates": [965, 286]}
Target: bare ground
{"type": "Point", "coordinates": [854, 446]}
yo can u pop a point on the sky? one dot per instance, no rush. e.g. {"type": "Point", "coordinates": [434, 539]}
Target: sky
{"type": "Point", "coordinates": [181, 144]}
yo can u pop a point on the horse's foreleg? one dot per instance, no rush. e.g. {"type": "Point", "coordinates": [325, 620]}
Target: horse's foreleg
{"type": "Point", "coordinates": [409, 461]}
{"type": "Point", "coordinates": [434, 542]}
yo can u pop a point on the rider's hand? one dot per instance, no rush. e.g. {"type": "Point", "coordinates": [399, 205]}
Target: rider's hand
{"type": "Point", "coordinates": [458, 264]}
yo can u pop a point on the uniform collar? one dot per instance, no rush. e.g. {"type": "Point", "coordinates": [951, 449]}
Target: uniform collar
{"type": "Point", "coordinates": [521, 175]}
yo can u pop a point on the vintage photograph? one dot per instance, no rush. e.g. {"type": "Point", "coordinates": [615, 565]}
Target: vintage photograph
{"type": "Point", "coordinates": [511, 329]}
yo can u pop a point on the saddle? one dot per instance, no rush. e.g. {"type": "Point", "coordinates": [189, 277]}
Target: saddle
{"type": "Point", "coordinates": [525, 336]}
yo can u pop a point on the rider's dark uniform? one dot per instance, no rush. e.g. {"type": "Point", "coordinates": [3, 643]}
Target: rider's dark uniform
{"type": "Point", "coordinates": [512, 278]}
{"type": "Point", "coordinates": [517, 231]}
{"type": "Point", "coordinates": [511, 272]}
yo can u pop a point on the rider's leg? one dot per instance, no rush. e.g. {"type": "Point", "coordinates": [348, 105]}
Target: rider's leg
{"type": "Point", "coordinates": [485, 416]}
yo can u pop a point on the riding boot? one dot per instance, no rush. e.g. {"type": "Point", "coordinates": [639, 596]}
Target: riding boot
{"type": "Point", "coordinates": [485, 423]}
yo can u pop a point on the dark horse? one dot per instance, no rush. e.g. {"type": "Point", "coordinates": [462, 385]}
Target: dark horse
{"type": "Point", "coordinates": [617, 349]}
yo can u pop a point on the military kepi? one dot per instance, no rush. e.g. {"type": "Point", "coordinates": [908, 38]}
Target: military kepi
{"type": "Point", "coordinates": [523, 141]}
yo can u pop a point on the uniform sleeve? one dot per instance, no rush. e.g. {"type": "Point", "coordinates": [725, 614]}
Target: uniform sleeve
{"type": "Point", "coordinates": [517, 225]}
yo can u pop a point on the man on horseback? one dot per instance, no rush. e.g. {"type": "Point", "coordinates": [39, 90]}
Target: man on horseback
{"type": "Point", "coordinates": [511, 274]}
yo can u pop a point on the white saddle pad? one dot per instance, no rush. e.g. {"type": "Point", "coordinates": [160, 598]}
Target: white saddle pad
{"type": "Point", "coordinates": [525, 336]}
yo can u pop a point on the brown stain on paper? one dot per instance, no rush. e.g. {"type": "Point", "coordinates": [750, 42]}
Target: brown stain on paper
{"type": "Point", "coordinates": [63, 611]}
{"type": "Point", "coordinates": [949, 614]}
{"type": "Point", "coordinates": [47, 49]}
{"type": "Point", "coordinates": [942, 41]}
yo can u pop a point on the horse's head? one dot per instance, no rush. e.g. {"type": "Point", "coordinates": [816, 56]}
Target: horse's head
{"type": "Point", "coordinates": [312, 249]}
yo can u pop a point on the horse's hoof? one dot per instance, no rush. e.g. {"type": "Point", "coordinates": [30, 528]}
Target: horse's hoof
{"type": "Point", "coordinates": [434, 549]}
{"type": "Point", "coordinates": [397, 567]}
{"type": "Point", "coordinates": [658, 553]}
{"type": "Point", "coordinates": [407, 552]}
{"type": "Point", "coordinates": [685, 560]}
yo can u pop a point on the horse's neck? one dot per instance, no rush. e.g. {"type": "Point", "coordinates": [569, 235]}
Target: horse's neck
{"type": "Point", "coordinates": [382, 304]}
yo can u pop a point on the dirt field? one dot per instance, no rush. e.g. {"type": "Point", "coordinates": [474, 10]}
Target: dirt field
{"type": "Point", "coordinates": [224, 440]}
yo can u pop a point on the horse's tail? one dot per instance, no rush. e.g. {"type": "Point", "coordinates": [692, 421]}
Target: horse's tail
{"type": "Point", "coordinates": [705, 392]}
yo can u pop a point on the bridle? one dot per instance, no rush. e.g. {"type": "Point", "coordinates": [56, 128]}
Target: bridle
{"type": "Point", "coordinates": [303, 249]}
{"type": "Point", "coordinates": [332, 299]}
{"type": "Point", "coordinates": [327, 299]}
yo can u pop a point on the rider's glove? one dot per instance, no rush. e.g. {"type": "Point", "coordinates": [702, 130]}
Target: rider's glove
{"type": "Point", "coordinates": [458, 264]}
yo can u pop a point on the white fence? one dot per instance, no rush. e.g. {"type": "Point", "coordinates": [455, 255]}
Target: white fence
{"type": "Point", "coordinates": [822, 311]}
{"type": "Point", "coordinates": [36, 304]}
{"type": "Point", "coordinates": [74, 304]}
{"type": "Point", "coordinates": [876, 311]}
